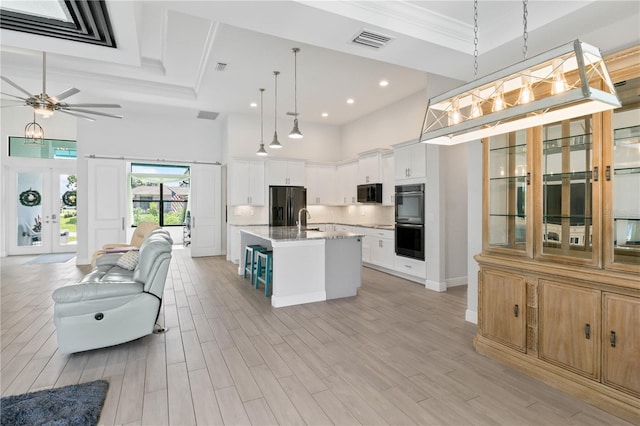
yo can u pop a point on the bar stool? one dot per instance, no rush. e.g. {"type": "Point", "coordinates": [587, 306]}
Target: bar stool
{"type": "Point", "coordinates": [250, 261]}
{"type": "Point", "coordinates": [264, 268]}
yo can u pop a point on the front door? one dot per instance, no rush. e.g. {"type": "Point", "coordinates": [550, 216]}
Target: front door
{"type": "Point", "coordinates": [42, 219]}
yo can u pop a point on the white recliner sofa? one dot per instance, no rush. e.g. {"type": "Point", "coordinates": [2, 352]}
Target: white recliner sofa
{"type": "Point", "coordinates": [112, 304]}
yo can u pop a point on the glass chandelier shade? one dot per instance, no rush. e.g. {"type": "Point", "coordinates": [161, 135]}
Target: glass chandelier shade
{"type": "Point", "coordinates": [295, 132]}
{"type": "Point", "coordinates": [261, 151]}
{"type": "Point", "coordinates": [33, 133]}
{"type": "Point", "coordinates": [275, 143]}
{"type": "Point", "coordinates": [568, 81]}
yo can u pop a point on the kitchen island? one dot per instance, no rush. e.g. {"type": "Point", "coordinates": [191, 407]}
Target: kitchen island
{"type": "Point", "coordinates": [308, 266]}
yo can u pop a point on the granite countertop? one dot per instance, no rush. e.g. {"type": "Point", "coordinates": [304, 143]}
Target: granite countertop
{"type": "Point", "coordinates": [290, 233]}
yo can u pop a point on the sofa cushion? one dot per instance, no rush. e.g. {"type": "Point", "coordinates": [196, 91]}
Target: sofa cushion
{"type": "Point", "coordinates": [150, 254]}
{"type": "Point", "coordinates": [129, 260]}
{"type": "Point", "coordinates": [108, 273]}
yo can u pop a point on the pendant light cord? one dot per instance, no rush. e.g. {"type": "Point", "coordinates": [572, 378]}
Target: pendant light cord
{"type": "Point", "coordinates": [525, 35]}
{"type": "Point", "coordinates": [275, 120]}
{"type": "Point", "coordinates": [261, 116]}
{"type": "Point", "coordinates": [295, 82]}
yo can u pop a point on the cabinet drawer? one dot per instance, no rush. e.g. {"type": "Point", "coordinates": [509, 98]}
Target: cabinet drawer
{"type": "Point", "coordinates": [414, 267]}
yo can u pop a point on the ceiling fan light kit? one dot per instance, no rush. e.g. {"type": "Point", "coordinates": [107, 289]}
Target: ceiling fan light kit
{"type": "Point", "coordinates": [556, 85]}
{"type": "Point", "coordinates": [45, 105]}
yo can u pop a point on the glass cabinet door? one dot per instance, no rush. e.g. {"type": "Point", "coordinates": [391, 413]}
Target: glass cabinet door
{"type": "Point", "coordinates": [567, 194]}
{"type": "Point", "coordinates": [508, 181]}
{"type": "Point", "coordinates": [623, 180]}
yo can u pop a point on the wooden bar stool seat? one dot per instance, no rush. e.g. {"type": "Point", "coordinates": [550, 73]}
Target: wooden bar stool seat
{"type": "Point", "coordinates": [264, 271]}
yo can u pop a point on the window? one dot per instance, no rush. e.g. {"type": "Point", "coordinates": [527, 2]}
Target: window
{"type": "Point", "coordinates": [51, 148]}
{"type": "Point", "coordinates": [159, 194]}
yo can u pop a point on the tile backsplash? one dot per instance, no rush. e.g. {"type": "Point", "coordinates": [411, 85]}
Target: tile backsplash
{"type": "Point", "coordinates": [359, 214]}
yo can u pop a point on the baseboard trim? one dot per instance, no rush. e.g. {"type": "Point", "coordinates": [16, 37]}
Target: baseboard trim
{"type": "Point", "coordinates": [83, 261]}
{"type": "Point", "coordinates": [471, 316]}
{"type": "Point", "coordinates": [435, 286]}
{"type": "Point", "coordinates": [458, 281]}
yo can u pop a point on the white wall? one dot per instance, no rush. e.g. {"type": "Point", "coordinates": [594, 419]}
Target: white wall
{"type": "Point", "coordinates": [474, 226]}
{"type": "Point", "coordinates": [455, 199]}
{"type": "Point", "coordinates": [320, 142]}
{"type": "Point", "coordinates": [173, 138]}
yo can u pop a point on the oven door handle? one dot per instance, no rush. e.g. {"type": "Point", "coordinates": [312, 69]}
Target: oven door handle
{"type": "Point", "coordinates": [409, 225]}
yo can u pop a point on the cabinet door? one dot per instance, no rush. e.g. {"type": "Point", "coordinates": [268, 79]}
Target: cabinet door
{"type": "Point", "coordinates": [382, 252]}
{"type": "Point", "coordinates": [402, 160]}
{"type": "Point", "coordinates": [296, 173]}
{"type": "Point", "coordinates": [570, 327]}
{"type": "Point", "coordinates": [621, 340]}
{"type": "Point", "coordinates": [369, 169]}
{"type": "Point", "coordinates": [388, 182]}
{"type": "Point", "coordinates": [313, 185]}
{"type": "Point", "coordinates": [418, 164]}
{"type": "Point", "coordinates": [239, 183]}
{"type": "Point", "coordinates": [277, 172]}
{"type": "Point", "coordinates": [503, 302]}
{"type": "Point", "coordinates": [366, 249]}
{"type": "Point", "coordinates": [256, 183]}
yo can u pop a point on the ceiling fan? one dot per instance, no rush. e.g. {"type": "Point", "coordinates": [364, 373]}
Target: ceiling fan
{"type": "Point", "coordinates": [46, 105]}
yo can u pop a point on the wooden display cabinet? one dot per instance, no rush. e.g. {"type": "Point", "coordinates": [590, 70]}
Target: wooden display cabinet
{"type": "Point", "coordinates": [559, 282]}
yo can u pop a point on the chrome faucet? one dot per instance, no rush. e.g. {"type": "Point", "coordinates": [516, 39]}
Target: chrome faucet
{"type": "Point", "coordinates": [300, 218]}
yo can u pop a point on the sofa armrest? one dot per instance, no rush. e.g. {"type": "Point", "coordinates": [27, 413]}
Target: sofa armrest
{"type": "Point", "coordinates": [91, 291]}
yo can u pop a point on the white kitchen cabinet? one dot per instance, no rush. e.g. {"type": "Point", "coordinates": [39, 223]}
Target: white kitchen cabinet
{"type": "Point", "coordinates": [347, 183]}
{"type": "Point", "coordinates": [414, 267]}
{"type": "Point", "coordinates": [286, 172]}
{"type": "Point", "coordinates": [369, 169]}
{"type": "Point", "coordinates": [388, 180]}
{"type": "Point", "coordinates": [246, 186]}
{"type": "Point", "coordinates": [233, 244]}
{"type": "Point", "coordinates": [410, 161]}
{"type": "Point", "coordinates": [321, 184]}
{"type": "Point", "coordinates": [382, 248]}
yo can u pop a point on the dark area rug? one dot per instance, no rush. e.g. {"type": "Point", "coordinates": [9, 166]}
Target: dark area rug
{"type": "Point", "coordinates": [75, 405]}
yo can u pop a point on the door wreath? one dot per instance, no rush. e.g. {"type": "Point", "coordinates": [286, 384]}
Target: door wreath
{"type": "Point", "coordinates": [30, 198]}
{"type": "Point", "coordinates": [69, 198]}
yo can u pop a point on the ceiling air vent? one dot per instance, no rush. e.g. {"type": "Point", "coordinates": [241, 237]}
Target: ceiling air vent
{"type": "Point", "coordinates": [208, 115]}
{"type": "Point", "coordinates": [371, 39]}
{"type": "Point", "coordinates": [220, 66]}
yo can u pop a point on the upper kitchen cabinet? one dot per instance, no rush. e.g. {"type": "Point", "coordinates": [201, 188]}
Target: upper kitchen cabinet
{"type": "Point", "coordinates": [388, 180]}
{"type": "Point", "coordinates": [321, 184]}
{"type": "Point", "coordinates": [347, 174]}
{"type": "Point", "coordinates": [410, 162]}
{"type": "Point", "coordinates": [247, 182]}
{"type": "Point", "coordinates": [369, 167]}
{"type": "Point", "coordinates": [286, 172]}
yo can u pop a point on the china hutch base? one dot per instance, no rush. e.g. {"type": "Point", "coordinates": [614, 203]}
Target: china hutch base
{"type": "Point", "coordinates": [559, 280]}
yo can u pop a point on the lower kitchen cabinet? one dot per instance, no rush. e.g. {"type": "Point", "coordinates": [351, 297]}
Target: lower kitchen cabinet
{"type": "Point", "coordinates": [621, 341]}
{"type": "Point", "coordinates": [570, 327]}
{"type": "Point", "coordinates": [505, 321]}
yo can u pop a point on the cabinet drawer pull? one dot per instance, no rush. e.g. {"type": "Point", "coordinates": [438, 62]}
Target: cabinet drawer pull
{"type": "Point", "coordinates": [607, 173]}
{"type": "Point", "coordinates": [612, 339]}
{"type": "Point", "coordinates": [528, 178]}
{"type": "Point", "coordinates": [587, 331]}
{"type": "Point", "coordinates": [595, 174]}
{"type": "Point", "coordinates": [516, 310]}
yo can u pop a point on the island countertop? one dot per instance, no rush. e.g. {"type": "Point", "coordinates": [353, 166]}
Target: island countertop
{"type": "Point", "coordinates": [290, 233]}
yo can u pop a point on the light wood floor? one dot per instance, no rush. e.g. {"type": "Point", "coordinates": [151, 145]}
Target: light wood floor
{"type": "Point", "coordinates": [395, 354]}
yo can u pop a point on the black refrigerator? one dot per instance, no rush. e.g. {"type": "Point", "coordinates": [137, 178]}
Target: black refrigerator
{"type": "Point", "coordinates": [284, 204]}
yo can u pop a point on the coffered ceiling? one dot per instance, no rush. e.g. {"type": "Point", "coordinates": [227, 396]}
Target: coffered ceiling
{"type": "Point", "coordinates": [169, 53]}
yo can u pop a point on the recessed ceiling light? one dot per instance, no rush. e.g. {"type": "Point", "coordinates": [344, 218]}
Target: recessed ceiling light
{"type": "Point", "coordinates": [325, 114]}
{"type": "Point", "coordinates": [350, 101]}
{"type": "Point", "coordinates": [384, 83]}
{"type": "Point", "coordinates": [253, 105]}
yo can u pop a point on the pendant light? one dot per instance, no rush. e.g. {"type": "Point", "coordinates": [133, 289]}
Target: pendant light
{"type": "Point", "coordinates": [295, 133]}
{"type": "Point", "coordinates": [33, 133]}
{"type": "Point", "coordinates": [566, 82]}
{"type": "Point", "coordinates": [261, 151]}
{"type": "Point", "coordinates": [275, 143]}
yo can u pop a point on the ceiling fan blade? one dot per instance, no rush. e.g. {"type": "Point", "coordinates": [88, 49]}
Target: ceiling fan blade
{"type": "Point", "coordinates": [93, 105]}
{"type": "Point", "coordinates": [77, 115]}
{"type": "Point", "coordinates": [87, 111]}
{"type": "Point", "coordinates": [12, 106]}
{"type": "Point", "coordinates": [16, 86]}
{"type": "Point", "coordinates": [13, 96]}
{"type": "Point", "coordinates": [69, 92]}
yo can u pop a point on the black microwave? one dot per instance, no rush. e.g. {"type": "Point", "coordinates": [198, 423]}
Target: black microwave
{"type": "Point", "coordinates": [370, 193]}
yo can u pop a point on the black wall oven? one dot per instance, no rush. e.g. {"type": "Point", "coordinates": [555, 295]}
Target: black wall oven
{"type": "Point", "coordinates": [410, 221]}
